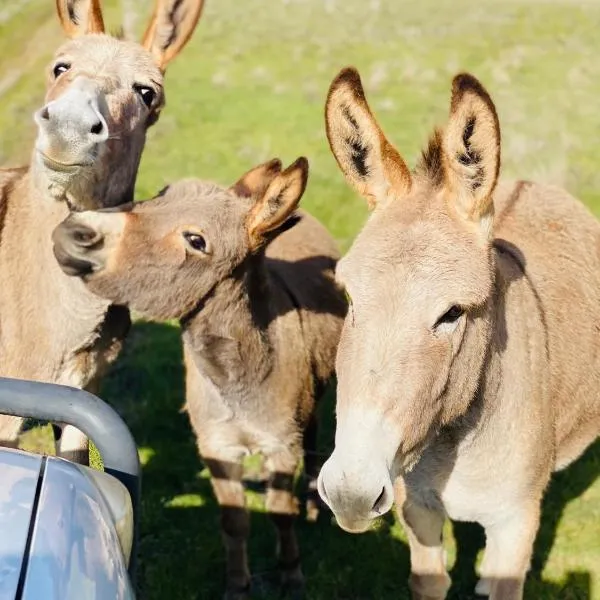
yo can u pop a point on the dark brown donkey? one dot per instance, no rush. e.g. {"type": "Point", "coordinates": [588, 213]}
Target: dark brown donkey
{"type": "Point", "coordinates": [103, 94]}
{"type": "Point", "coordinates": [251, 281]}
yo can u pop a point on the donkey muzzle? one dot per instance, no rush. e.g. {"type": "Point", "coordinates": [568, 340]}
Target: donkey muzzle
{"type": "Point", "coordinates": [71, 127]}
{"type": "Point", "coordinates": [75, 247]}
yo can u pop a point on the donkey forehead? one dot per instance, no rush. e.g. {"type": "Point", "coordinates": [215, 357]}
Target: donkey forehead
{"type": "Point", "coordinates": [195, 202]}
{"type": "Point", "coordinates": [426, 257]}
{"type": "Point", "coordinates": [103, 54]}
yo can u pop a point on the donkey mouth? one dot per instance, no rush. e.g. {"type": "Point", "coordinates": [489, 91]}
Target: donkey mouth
{"type": "Point", "coordinates": [56, 165]}
{"type": "Point", "coordinates": [354, 526]}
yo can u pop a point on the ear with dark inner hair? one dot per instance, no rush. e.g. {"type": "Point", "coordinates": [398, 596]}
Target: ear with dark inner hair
{"type": "Point", "coordinates": [281, 198]}
{"type": "Point", "coordinates": [80, 17]}
{"type": "Point", "coordinates": [254, 183]}
{"type": "Point", "coordinates": [170, 28]}
{"type": "Point", "coordinates": [471, 150]}
{"type": "Point", "coordinates": [370, 163]}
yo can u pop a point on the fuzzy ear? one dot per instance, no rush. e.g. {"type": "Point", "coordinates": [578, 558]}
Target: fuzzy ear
{"type": "Point", "coordinates": [255, 182]}
{"type": "Point", "coordinates": [170, 28]}
{"type": "Point", "coordinates": [277, 204]}
{"type": "Point", "coordinates": [79, 17]}
{"type": "Point", "coordinates": [369, 162]}
{"type": "Point", "coordinates": [471, 150]}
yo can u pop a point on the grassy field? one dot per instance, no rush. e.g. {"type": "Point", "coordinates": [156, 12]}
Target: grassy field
{"type": "Point", "coordinates": [251, 86]}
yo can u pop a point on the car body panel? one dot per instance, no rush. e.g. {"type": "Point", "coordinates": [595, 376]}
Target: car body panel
{"type": "Point", "coordinates": [66, 531]}
{"type": "Point", "coordinates": [19, 476]}
{"type": "Point", "coordinates": [75, 550]}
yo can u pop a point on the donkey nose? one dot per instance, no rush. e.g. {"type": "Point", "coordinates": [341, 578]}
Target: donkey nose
{"type": "Point", "coordinates": [356, 497]}
{"type": "Point", "coordinates": [74, 244]}
{"type": "Point", "coordinates": [71, 126]}
{"type": "Point", "coordinates": [68, 118]}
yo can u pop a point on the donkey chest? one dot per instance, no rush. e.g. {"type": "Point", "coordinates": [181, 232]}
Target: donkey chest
{"type": "Point", "coordinates": [472, 485]}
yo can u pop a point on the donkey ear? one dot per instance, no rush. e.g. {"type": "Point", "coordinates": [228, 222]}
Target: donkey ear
{"type": "Point", "coordinates": [369, 162]}
{"type": "Point", "coordinates": [255, 182]}
{"type": "Point", "coordinates": [279, 201]}
{"type": "Point", "coordinates": [79, 17]}
{"type": "Point", "coordinates": [471, 149]}
{"type": "Point", "coordinates": [170, 28]}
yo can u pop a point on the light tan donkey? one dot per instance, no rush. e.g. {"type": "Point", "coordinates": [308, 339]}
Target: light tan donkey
{"type": "Point", "coordinates": [469, 365]}
{"type": "Point", "coordinates": [251, 281]}
{"type": "Point", "coordinates": [102, 95]}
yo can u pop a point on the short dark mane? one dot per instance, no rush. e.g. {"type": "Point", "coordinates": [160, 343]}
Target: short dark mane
{"type": "Point", "coordinates": [118, 33]}
{"type": "Point", "coordinates": [431, 165]}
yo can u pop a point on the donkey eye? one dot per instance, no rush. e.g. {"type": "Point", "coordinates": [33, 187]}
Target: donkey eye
{"type": "Point", "coordinates": [60, 68]}
{"type": "Point", "coordinates": [146, 93]}
{"type": "Point", "coordinates": [196, 241]}
{"type": "Point", "coordinates": [450, 316]}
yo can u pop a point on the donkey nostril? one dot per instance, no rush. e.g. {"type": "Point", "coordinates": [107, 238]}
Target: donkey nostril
{"type": "Point", "coordinates": [85, 237]}
{"type": "Point", "coordinates": [380, 502]}
{"type": "Point", "coordinates": [97, 128]}
{"type": "Point", "coordinates": [45, 114]}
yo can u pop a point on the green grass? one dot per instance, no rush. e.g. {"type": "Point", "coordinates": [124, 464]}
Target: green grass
{"type": "Point", "coordinates": [251, 86]}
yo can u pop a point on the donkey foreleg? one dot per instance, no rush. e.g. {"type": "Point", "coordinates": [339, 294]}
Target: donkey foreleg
{"type": "Point", "coordinates": [226, 479]}
{"type": "Point", "coordinates": [282, 507]}
{"type": "Point", "coordinates": [71, 444]}
{"type": "Point", "coordinates": [509, 545]}
{"type": "Point", "coordinates": [429, 579]}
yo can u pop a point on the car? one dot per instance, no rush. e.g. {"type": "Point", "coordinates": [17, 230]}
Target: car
{"type": "Point", "coordinates": [68, 532]}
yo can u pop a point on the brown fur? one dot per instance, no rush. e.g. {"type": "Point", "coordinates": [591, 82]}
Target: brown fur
{"type": "Point", "coordinates": [468, 368]}
{"type": "Point", "coordinates": [51, 328]}
{"type": "Point", "coordinates": [170, 28]}
{"type": "Point", "coordinates": [260, 314]}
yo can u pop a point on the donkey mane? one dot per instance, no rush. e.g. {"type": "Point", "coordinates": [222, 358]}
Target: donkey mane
{"type": "Point", "coordinates": [430, 165]}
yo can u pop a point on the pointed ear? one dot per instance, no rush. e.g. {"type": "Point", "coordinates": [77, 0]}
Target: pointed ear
{"type": "Point", "coordinates": [277, 204]}
{"type": "Point", "coordinates": [255, 182]}
{"type": "Point", "coordinates": [79, 17]}
{"type": "Point", "coordinates": [170, 28]}
{"type": "Point", "coordinates": [471, 150]}
{"type": "Point", "coordinates": [369, 162]}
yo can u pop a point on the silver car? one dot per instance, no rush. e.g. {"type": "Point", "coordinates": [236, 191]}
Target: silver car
{"type": "Point", "coordinates": [67, 532]}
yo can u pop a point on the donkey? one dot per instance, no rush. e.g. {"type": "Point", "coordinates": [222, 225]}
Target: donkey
{"type": "Point", "coordinates": [251, 281]}
{"type": "Point", "coordinates": [103, 94]}
{"type": "Point", "coordinates": [468, 365]}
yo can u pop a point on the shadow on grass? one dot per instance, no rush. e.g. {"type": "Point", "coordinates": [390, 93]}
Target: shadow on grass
{"type": "Point", "coordinates": [181, 554]}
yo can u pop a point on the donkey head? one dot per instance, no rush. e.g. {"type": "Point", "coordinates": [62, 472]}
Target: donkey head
{"type": "Point", "coordinates": [102, 95]}
{"type": "Point", "coordinates": [166, 255]}
{"type": "Point", "coordinates": [420, 280]}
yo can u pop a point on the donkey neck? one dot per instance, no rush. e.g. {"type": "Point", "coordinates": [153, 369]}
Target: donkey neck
{"type": "Point", "coordinates": [232, 336]}
{"type": "Point", "coordinates": [46, 317]}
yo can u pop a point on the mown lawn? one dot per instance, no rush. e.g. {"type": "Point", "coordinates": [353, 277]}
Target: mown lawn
{"type": "Point", "coordinates": [251, 86]}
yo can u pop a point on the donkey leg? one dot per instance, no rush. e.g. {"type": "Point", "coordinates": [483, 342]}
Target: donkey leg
{"type": "Point", "coordinates": [72, 444]}
{"type": "Point", "coordinates": [226, 480]}
{"type": "Point", "coordinates": [69, 442]}
{"type": "Point", "coordinates": [312, 466]}
{"type": "Point", "coordinates": [282, 507]}
{"type": "Point", "coordinates": [429, 579]}
{"type": "Point", "coordinates": [508, 552]}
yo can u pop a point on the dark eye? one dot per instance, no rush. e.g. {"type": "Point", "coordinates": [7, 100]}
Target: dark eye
{"type": "Point", "coordinates": [196, 241]}
{"type": "Point", "coordinates": [59, 69]}
{"type": "Point", "coordinates": [146, 93]}
{"type": "Point", "coordinates": [450, 316]}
